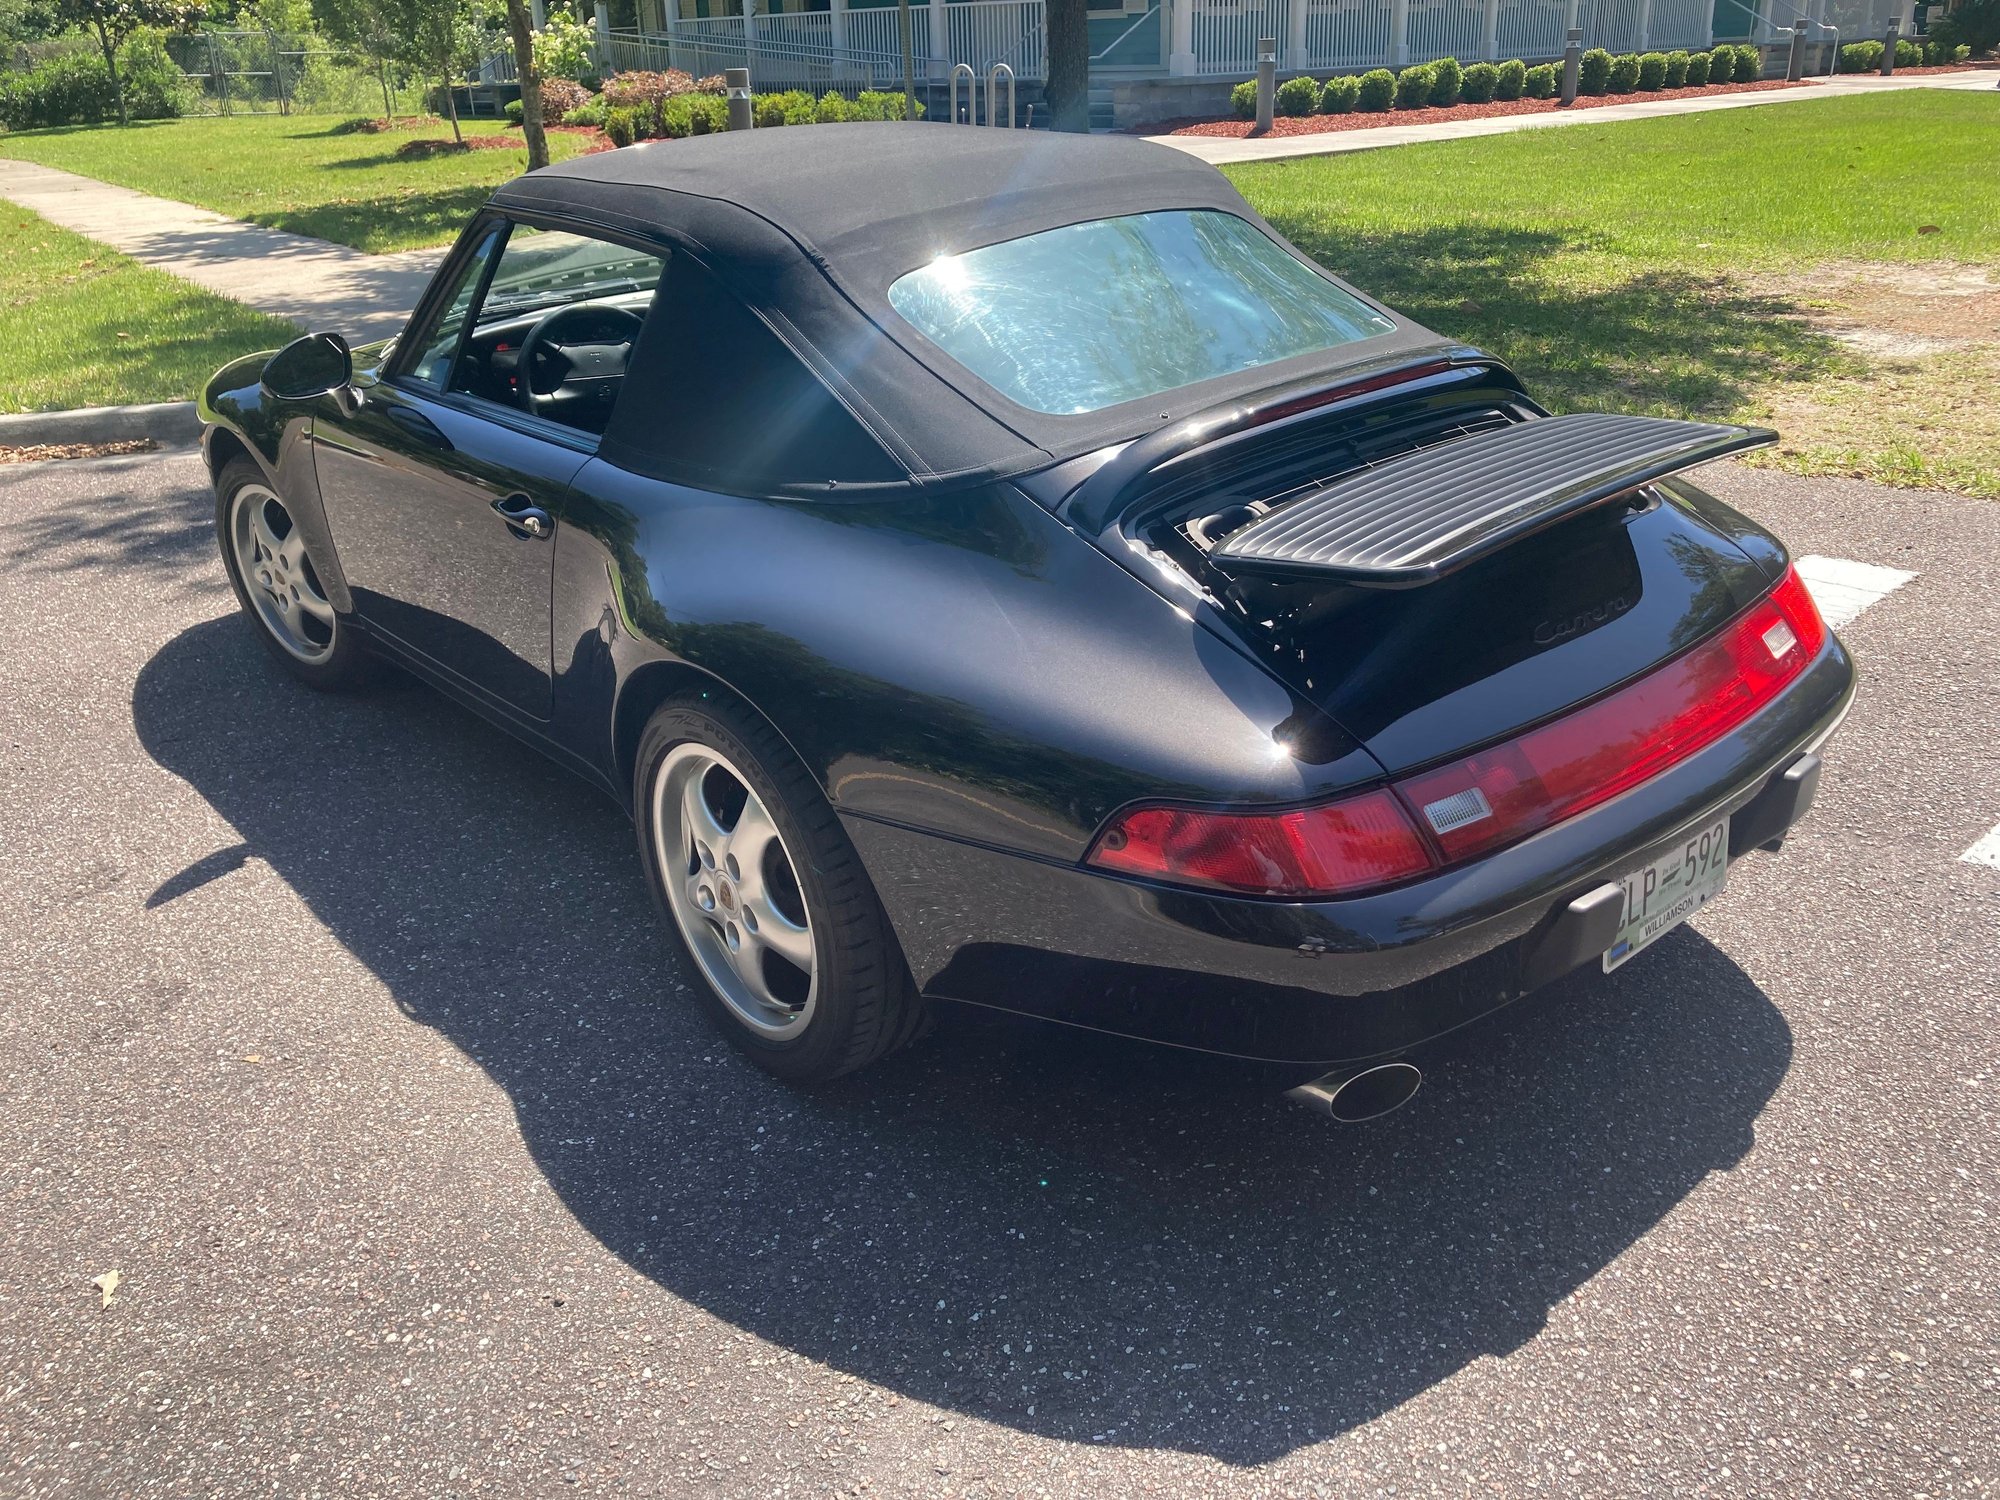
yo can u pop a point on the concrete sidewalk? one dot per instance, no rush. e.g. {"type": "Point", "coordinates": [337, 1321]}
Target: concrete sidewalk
{"type": "Point", "coordinates": [319, 285]}
{"type": "Point", "coordinates": [1221, 150]}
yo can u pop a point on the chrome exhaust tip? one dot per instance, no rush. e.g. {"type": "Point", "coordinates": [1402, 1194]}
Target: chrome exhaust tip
{"type": "Point", "coordinates": [1352, 1095]}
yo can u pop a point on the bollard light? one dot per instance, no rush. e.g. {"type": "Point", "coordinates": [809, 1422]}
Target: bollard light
{"type": "Point", "coordinates": [736, 84]}
{"type": "Point", "coordinates": [1572, 74]}
{"type": "Point", "coordinates": [1267, 81]}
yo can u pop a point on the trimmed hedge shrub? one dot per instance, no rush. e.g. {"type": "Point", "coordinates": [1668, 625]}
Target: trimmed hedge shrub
{"type": "Point", "coordinates": [1860, 57]}
{"type": "Point", "coordinates": [690, 114]}
{"type": "Point", "coordinates": [1447, 82]}
{"type": "Point", "coordinates": [1413, 87]}
{"type": "Point", "coordinates": [1652, 70]}
{"type": "Point", "coordinates": [1908, 54]}
{"type": "Point", "coordinates": [1297, 96]}
{"type": "Point", "coordinates": [1975, 26]}
{"type": "Point", "coordinates": [590, 112]}
{"type": "Point", "coordinates": [1697, 70]}
{"type": "Point", "coordinates": [621, 124]}
{"type": "Point", "coordinates": [1378, 91]}
{"type": "Point", "coordinates": [881, 104]}
{"type": "Point", "coordinates": [73, 88]}
{"type": "Point", "coordinates": [1481, 79]}
{"type": "Point", "coordinates": [1340, 95]}
{"type": "Point", "coordinates": [1722, 64]}
{"type": "Point", "coordinates": [1594, 75]}
{"type": "Point", "coordinates": [1624, 73]}
{"type": "Point", "coordinates": [559, 97]}
{"type": "Point", "coordinates": [514, 110]}
{"type": "Point", "coordinates": [1513, 81]}
{"type": "Point", "coordinates": [1542, 81]}
{"type": "Point", "coordinates": [1243, 100]}
{"type": "Point", "coordinates": [1677, 69]}
{"type": "Point", "coordinates": [1749, 64]}
{"type": "Point", "coordinates": [785, 107]}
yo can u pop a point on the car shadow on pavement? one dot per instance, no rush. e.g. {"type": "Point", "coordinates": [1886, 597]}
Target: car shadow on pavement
{"type": "Point", "coordinates": [1074, 1237]}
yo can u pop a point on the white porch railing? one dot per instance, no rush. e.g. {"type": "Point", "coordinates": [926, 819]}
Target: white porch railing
{"type": "Point", "coordinates": [1219, 37]}
{"type": "Point", "coordinates": [847, 48]}
{"type": "Point", "coordinates": [844, 49]}
{"type": "Point", "coordinates": [1226, 32]}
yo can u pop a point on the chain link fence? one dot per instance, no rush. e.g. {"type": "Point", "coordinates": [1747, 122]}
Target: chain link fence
{"type": "Point", "coordinates": [269, 72]}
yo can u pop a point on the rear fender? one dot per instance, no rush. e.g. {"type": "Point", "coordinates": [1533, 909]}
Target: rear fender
{"type": "Point", "coordinates": [962, 665]}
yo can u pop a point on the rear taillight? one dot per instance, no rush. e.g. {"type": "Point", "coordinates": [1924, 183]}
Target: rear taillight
{"type": "Point", "coordinates": [1493, 797]}
{"type": "Point", "coordinates": [1574, 763]}
{"type": "Point", "coordinates": [1338, 847]}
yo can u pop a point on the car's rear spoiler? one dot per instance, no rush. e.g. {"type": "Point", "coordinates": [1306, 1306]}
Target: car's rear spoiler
{"type": "Point", "coordinates": [1420, 515]}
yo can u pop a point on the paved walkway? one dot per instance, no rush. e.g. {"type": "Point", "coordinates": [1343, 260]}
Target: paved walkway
{"type": "Point", "coordinates": [1223, 149]}
{"type": "Point", "coordinates": [316, 284]}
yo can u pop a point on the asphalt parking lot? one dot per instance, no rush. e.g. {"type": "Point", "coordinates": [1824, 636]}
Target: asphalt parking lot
{"type": "Point", "coordinates": [341, 1029]}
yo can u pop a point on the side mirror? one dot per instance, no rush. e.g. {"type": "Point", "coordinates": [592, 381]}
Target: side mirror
{"type": "Point", "coordinates": [311, 366]}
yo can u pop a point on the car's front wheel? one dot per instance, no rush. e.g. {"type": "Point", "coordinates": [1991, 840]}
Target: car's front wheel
{"type": "Point", "coordinates": [278, 585]}
{"type": "Point", "coordinates": [791, 949]}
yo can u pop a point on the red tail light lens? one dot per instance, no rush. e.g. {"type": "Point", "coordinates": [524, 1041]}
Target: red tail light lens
{"type": "Point", "coordinates": [1314, 851]}
{"type": "Point", "coordinates": [1576, 762]}
{"type": "Point", "coordinates": [1494, 797]}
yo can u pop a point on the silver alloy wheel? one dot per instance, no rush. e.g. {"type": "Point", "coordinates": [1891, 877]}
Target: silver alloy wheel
{"type": "Point", "coordinates": [271, 557]}
{"type": "Point", "coordinates": [734, 891]}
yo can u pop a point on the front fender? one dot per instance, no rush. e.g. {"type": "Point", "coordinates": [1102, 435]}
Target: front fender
{"type": "Point", "coordinates": [962, 665]}
{"type": "Point", "coordinates": [240, 418]}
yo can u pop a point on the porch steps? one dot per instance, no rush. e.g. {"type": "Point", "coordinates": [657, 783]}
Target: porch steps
{"type": "Point", "coordinates": [1101, 115]}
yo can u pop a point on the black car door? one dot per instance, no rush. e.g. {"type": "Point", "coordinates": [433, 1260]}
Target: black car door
{"type": "Point", "coordinates": [441, 485]}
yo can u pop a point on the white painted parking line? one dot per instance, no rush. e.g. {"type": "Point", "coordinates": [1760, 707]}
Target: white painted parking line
{"type": "Point", "coordinates": [1986, 851]}
{"type": "Point", "coordinates": [1842, 589]}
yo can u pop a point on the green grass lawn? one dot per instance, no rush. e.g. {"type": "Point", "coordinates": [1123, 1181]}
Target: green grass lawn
{"type": "Point", "coordinates": [88, 327]}
{"type": "Point", "coordinates": [1746, 263]}
{"type": "Point", "coordinates": [293, 173]}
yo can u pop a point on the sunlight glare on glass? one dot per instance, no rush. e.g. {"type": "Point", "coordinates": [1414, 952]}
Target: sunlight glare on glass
{"type": "Point", "coordinates": [949, 273]}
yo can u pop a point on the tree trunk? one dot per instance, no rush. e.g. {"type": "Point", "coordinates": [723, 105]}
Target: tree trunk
{"type": "Point", "coordinates": [388, 103]}
{"type": "Point", "coordinates": [519, 27]}
{"type": "Point", "coordinates": [451, 107]}
{"type": "Point", "coordinates": [111, 66]}
{"type": "Point", "coordinates": [1068, 86]}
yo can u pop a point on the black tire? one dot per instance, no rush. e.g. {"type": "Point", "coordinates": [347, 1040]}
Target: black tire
{"type": "Point", "coordinates": [345, 663]}
{"type": "Point", "coordinates": [864, 1004]}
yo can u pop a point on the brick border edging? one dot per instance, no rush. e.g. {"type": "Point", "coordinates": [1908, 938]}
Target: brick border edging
{"type": "Point", "coordinates": [167, 422]}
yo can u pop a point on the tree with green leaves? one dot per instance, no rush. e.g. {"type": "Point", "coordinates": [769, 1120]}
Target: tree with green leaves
{"type": "Point", "coordinates": [521, 29]}
{"type": "Point", "coordinates": [112, 21]}
{"type": "Point", "coordinates": [442, 39]}
{"type": "Point", "coordinates": [368, 27]}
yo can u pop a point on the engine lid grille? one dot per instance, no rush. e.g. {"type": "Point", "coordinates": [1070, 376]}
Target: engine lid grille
{"type": "Point", "coordinates": [1415, 517]}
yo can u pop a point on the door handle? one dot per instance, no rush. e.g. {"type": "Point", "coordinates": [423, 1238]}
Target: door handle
{"type": "Point", "coordinates": [524, 517]}
{"type": "Point", "coordinates": [420, 427]}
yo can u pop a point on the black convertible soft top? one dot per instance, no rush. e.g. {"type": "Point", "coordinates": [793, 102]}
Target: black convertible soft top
{"type": "Point", "coordinates": [811, 226]}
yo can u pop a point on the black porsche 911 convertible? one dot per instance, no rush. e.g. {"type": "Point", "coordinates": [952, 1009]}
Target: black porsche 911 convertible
{"type": "Point", "coordinates": [998, 568]}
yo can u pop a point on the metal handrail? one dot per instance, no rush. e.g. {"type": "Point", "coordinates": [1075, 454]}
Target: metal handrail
{"type": "Point", "coordinates": [1127, 34]}
{"type": "Point", "coordinates": [971, 90]}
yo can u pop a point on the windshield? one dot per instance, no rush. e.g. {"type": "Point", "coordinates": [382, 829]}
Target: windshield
{"type": "Point", "coordinates": [542, 267]}
{"type": "Point", "coordinates": [1087, 316]}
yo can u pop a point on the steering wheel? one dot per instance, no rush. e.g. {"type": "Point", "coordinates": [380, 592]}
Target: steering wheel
{"type": "Point", "coordinates": [574, 357]}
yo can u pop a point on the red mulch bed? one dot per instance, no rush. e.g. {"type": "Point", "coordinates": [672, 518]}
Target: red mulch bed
{"type": "Point", "coordinates": [1323, 124]}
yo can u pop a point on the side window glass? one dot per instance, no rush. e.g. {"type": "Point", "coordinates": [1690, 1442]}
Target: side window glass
{"type": "Point", "coordinates": [555, 330]}
{"type": "Point", "coordinates": [441, 343]}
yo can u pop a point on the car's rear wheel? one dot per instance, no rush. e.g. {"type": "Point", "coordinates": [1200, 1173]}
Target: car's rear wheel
{"type": "Point", "coordinates": [791, 950]}
{"type": "Point", "coordinates": [277, 584]}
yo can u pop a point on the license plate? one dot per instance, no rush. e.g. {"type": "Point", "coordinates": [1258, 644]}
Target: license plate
{"type": "Point", "coordinates": [1663, 894]}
